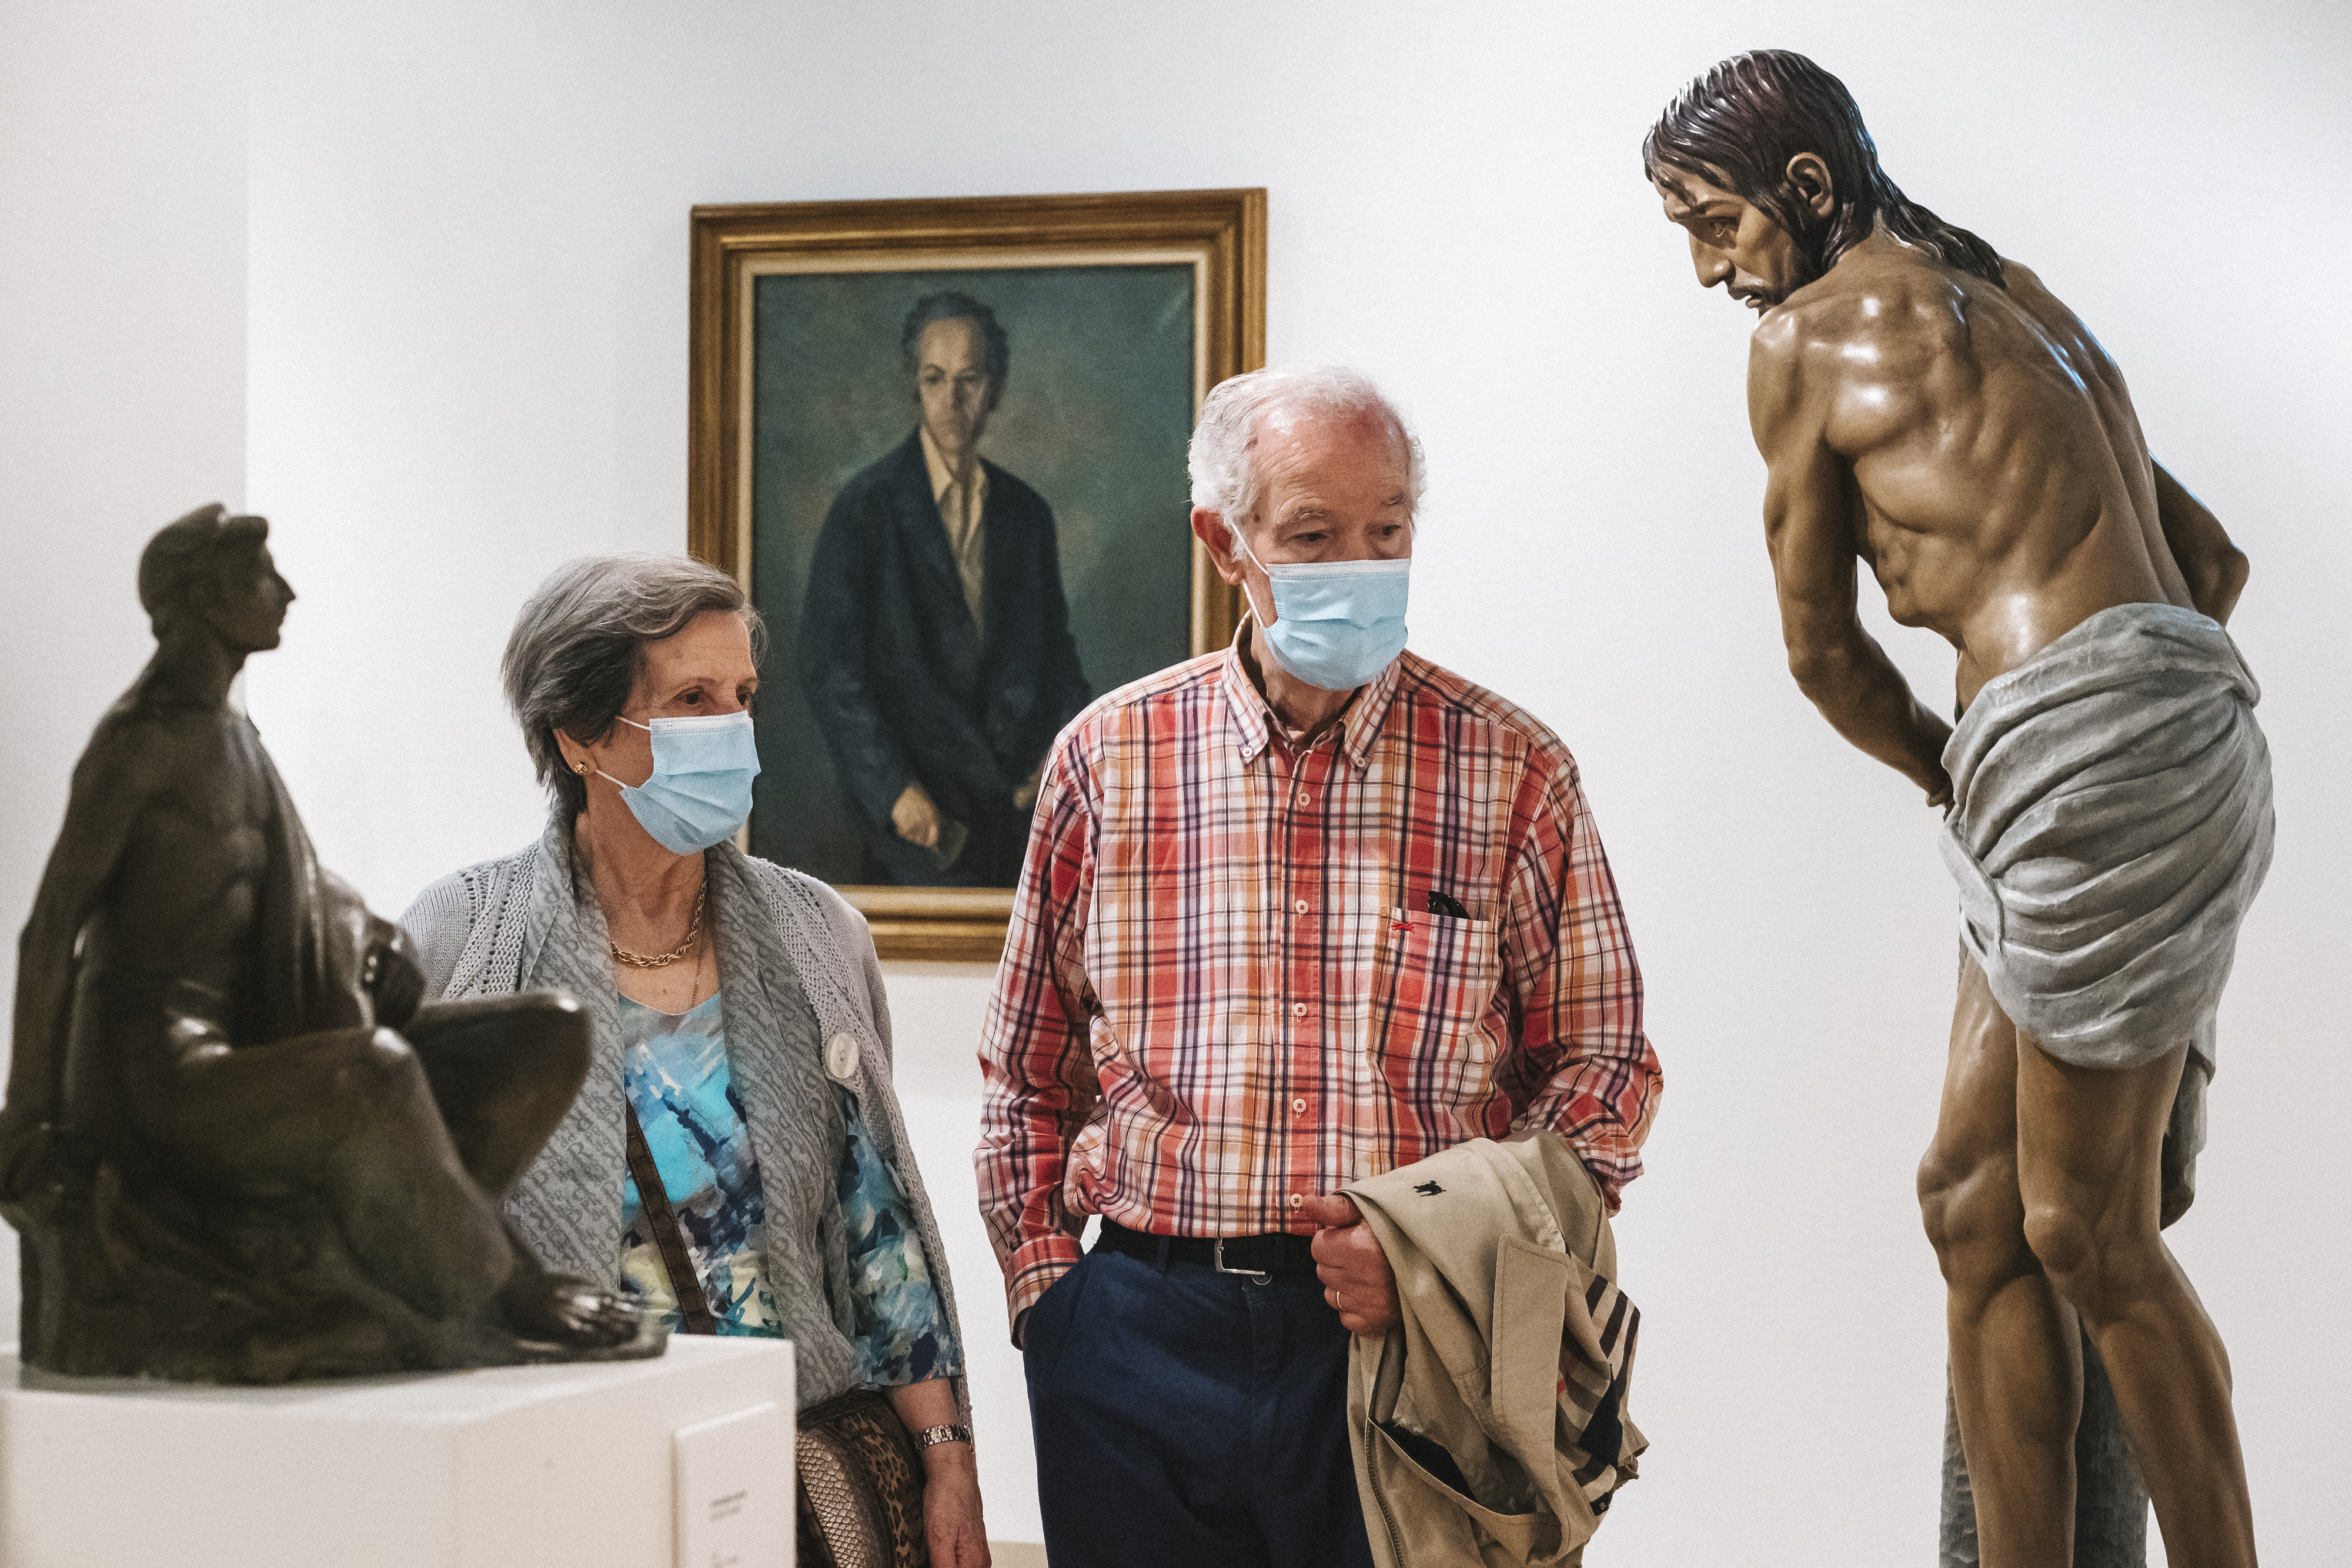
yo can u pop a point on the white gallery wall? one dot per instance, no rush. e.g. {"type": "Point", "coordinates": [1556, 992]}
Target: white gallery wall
{"type": "Point", "coordinates": [412, 281]}
{"type": "Point", "coordinates": [122, 353]}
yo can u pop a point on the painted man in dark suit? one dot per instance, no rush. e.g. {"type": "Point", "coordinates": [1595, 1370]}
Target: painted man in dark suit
{"type": "Point", "coordinates": [935, 642]}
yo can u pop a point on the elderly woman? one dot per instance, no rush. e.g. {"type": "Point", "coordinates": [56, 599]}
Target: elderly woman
{"type": "Point", "coordinates": [736, 1159]}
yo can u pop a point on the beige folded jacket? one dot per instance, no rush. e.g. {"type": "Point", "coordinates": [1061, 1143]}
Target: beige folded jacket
{"type": "Point", "coordinates": [1489, 1427]}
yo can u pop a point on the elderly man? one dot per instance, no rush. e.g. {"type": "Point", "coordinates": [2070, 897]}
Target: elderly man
{"type": "Point", "coordinates": [1927, 408]}
{"type": "Point", "coordinates": [935, 643]}
{"type": "Point", "coordinates": [1294, 915]}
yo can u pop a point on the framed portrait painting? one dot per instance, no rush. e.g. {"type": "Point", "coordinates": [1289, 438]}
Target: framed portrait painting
{"type": "Point", "coordinates": [941, 443]}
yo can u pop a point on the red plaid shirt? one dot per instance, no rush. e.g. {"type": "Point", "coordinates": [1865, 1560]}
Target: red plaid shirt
{"type": "Point", "coordinates": [1223, 988]}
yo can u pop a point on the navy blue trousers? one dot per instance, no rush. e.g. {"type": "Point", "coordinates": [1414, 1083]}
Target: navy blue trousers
{"type": "Point", "coordinates": [1186, 1418]}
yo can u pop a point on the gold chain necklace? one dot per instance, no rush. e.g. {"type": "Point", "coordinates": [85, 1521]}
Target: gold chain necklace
{"type": "Point", "coordinates": [664, 960]}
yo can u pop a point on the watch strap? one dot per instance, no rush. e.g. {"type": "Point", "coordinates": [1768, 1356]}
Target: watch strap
{"type": "Point", "coordinates": [928, 1436]}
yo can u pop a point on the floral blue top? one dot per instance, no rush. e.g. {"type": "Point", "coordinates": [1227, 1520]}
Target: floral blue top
{"type": "Point", "coordinates": [673, 1066]}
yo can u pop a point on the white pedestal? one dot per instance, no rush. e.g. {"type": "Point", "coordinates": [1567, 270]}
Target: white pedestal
{"type": "Point", "coordinates": [565, 1467]}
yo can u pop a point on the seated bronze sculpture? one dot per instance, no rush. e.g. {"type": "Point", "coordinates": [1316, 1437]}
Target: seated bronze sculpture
{"type": "Point", "coordinates": [235, 1145]}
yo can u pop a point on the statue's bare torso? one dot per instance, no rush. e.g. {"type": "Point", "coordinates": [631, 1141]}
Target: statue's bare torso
{"type": "Point", "coordinates": [195, 815]}
{"type": "Point", "coordinates": [1975, 446]}
{"type": "Point", "coordinates": [184, 898]}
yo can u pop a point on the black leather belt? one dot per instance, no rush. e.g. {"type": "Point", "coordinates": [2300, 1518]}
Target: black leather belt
{"type": "Point", "coordinates": [1276, 1255]}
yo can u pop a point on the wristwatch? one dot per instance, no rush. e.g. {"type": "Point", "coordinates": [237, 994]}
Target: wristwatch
{"type": "Point", "coordinates": [959, 1432]}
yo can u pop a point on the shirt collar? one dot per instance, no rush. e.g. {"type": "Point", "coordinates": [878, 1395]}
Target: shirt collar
{"type": "Point", "coordinates": [943, 478]}
{"type": "Point", "coordinates": [1256, 725]}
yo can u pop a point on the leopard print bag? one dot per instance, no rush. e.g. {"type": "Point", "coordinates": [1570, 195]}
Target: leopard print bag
{"type": "Point", "coordinates": [861, 1487]}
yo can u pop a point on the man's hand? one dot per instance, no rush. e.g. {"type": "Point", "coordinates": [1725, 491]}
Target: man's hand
{"type": "Point", "coordinates": [915, 818]}
{"type": "Point", "coordinates": [1356, 1280]}
{"type": "Point", "coordinates": [1026, 796]}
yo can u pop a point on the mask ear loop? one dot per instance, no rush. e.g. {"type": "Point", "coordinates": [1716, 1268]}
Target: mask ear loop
{"type": "Point", "coordinates": [608, 778]}
{"type": "Point", "coordinates": [1242, 545]}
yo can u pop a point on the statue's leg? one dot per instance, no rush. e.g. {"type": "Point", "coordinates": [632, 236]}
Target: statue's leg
{"type": "Point", "coordinates": [503, 1070]}
{"type": "Point", "coordinates": [2016, 1362]}
{"type": "Point", "coordinates": [345, 1114]}
{"type": "Point", "coordinates": [2110, 1501]}
{"type": "Point", "coordinates": [2089, 1164]}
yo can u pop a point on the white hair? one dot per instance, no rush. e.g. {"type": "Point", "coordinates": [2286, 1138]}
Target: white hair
{"type": "Point", "coordinates": [1222, 460]}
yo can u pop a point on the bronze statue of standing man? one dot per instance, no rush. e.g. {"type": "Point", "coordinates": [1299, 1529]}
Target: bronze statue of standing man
{"type": "Point", "coordinates": [1927, 408]}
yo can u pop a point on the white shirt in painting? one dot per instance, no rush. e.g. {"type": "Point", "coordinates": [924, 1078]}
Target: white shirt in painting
{"type": "Point", "coordinates": [963, 498]}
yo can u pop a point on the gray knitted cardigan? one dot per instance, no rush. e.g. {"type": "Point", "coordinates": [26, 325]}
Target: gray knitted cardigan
{"type": "Point", "coordinates": [797, 966]}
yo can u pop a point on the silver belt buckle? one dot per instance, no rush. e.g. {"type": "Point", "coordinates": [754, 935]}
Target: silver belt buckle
{"type": "Point", "coordinates": [1217, 1262]}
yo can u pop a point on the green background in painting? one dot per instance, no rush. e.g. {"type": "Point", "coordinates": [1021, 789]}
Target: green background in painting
{"type": "Point", "coordinates": [1097, 411]}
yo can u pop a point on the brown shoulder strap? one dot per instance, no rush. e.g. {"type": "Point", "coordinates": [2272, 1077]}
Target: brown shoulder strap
{"type": "Point", "coordinates": [693, 1306]}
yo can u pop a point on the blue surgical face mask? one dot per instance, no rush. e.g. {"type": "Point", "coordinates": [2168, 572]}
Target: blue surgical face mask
{"type": "Point", "coordinates": [700, 789]}
{"type": "Point", "coordinates": [1337, 622]}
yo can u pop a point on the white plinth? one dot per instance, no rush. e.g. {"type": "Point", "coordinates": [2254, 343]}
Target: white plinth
{"type": "Point", "coordinates": [564, 1467]}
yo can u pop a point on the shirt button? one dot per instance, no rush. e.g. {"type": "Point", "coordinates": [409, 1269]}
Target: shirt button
{"type": "Point", "coordinates": [1300, 907]}
{"type": "Point", "coordinates": [1304, 797]}
{"type": "Point", "coordinates": [1298, 1107]}
{"type": "Point", "coordinates": [1296, 1200]}
{"type": "Point", "coordinates": [1298, 1009]}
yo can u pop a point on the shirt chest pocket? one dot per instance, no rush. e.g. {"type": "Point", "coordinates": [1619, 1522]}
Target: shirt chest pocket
{"type": "Point", "coordinates": [1435, 977]}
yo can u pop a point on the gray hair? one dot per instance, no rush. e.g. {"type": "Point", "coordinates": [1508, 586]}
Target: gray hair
{"type": "Point", "coordinates": [1222, 461]}
{"type": "Point", "coordinates": [573, 659]}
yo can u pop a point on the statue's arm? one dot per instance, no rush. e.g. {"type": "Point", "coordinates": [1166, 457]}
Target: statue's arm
{"type": "Point", "coordinates": [1808, 528]}
{"type": "Point", "coordinates": [2215, 569]}
{"type": "Point", "coordinates": [110, 787]}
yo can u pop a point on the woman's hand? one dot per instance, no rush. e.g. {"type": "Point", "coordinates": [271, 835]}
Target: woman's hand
{"type": "Point", "coordinates": [951, 1477]}
{"type": "Point", "coordinates": [952, 1521]}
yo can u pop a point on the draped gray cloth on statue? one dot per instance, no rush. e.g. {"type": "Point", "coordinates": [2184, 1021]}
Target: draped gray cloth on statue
{"type": "Point", "coordinates": [798, 969]}
{"type": "Point", "coordinates": [2110, 823]}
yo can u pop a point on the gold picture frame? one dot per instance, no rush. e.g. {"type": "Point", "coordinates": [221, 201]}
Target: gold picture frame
{"type": "Point", "coordinates": [1214, 238]}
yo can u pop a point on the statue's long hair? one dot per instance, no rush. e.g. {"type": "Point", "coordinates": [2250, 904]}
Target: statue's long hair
{"type": "Point", "coordinates": [1738, 125]}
